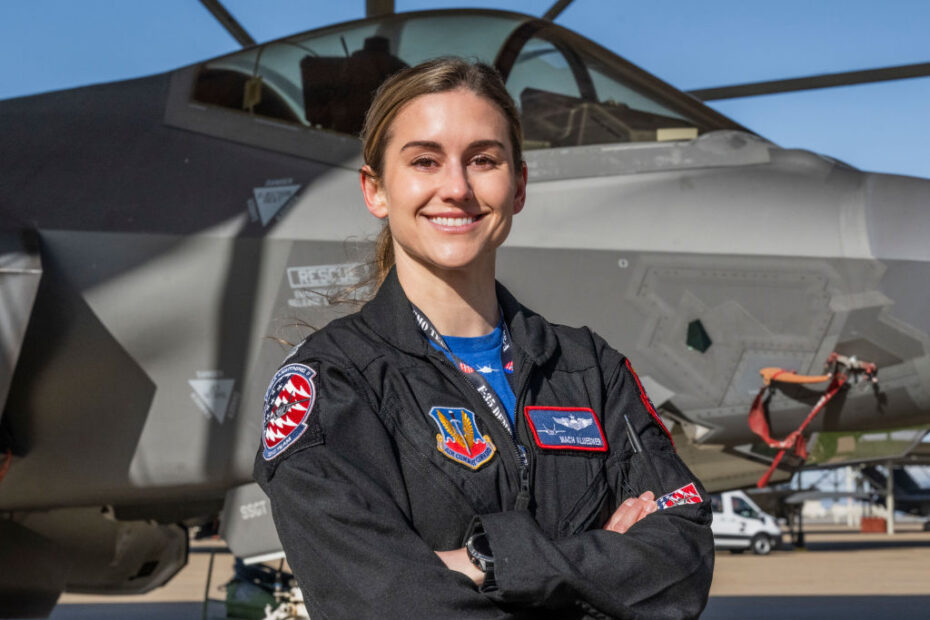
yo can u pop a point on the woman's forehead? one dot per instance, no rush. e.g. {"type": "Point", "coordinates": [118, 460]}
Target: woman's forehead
{"type": "Point", "coordinates": [451, 116]}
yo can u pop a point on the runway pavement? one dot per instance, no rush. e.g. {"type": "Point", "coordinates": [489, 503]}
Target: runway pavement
{"type": "Point", "coordinates": [842, 574]}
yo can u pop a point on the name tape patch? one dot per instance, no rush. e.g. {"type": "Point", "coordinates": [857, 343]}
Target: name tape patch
{"type": "Point", "coordinates": [459, 438]}
{"type": "Point", "coordinates": [687, 494]}
{"type": "Point", "coordinates": [288, 403]}
{"type": "Point", "coordinates": [566, 428]}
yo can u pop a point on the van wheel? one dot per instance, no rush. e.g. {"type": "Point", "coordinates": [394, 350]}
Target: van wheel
{"type": "Point", "coordinates": [761, 544]}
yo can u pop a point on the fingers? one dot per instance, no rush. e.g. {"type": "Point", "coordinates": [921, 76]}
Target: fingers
{"type": "Point", "coordinates": [630, 512]}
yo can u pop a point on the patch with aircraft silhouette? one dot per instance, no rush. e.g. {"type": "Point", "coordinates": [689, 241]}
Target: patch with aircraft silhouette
{"type": "Point", "coordinates": [566, 428]}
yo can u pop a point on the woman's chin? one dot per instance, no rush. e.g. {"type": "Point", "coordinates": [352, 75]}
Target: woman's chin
{"type": "Point", "coordinates": [453, 262]}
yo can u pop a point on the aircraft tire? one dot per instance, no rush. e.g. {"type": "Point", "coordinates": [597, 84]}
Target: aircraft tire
{"type": "Point", "coordinates": [761, 544]}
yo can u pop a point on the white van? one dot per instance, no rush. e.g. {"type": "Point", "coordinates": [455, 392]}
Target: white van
{"type": "Point", "coordinates": [740, 524]}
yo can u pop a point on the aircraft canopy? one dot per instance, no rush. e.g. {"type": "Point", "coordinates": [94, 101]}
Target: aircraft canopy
{"type": "Point", "coordinates": [570, 91]}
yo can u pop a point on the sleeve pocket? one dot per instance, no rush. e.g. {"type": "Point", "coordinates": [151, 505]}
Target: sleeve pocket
{"type": "Point", "coordinates": [658, 471]}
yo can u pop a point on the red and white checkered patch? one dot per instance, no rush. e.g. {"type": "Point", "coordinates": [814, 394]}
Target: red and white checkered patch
{"type": "Point", "coordinates": [687, 494]}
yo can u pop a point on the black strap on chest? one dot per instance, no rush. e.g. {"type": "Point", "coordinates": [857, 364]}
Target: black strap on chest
{"type": "Point", "coordinates": [476, 379]}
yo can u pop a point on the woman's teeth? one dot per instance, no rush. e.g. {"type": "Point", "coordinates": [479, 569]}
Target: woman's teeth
{"type": "Point", "coordinates": [452, 221]}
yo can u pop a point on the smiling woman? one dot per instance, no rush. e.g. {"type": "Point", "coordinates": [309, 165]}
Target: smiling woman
{"type": "Point", "coordinates": [486, 155]}
{"type": "Point", "coordinates": [446, 452]}
{"type": "Point", "coordinates": [449, 189]}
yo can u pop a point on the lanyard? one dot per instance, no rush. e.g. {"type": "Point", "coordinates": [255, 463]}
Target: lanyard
{"type": "Point", "coordinates": [476, 379]}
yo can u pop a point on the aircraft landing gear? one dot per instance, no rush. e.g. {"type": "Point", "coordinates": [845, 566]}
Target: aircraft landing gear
{"type": "Point", "coordinates": [796, 527]}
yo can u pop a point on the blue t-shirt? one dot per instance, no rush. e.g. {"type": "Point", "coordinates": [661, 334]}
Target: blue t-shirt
{"type": "Point", "coordinates": [483, 353]}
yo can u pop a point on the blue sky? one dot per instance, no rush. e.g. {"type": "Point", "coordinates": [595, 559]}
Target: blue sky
{"type": "Point", "coordinates": [53, 44]}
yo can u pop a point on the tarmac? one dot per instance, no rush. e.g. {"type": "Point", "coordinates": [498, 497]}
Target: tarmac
{"type": "Point", "coordinates": [841, 574]}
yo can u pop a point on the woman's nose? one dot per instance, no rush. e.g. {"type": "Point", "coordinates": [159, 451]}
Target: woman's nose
{"type": "Point", "coordinates": [455, 186]}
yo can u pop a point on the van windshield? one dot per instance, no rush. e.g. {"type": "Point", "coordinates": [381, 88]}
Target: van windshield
{"type": "Point", "coordinates": [744, 509]}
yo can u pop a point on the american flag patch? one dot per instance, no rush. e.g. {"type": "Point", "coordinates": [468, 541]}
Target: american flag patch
{"type": "Point", "coordinates": [687, 494]}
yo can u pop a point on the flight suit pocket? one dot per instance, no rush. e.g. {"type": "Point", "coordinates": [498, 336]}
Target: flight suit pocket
{"type": "Point", "coordinates": [591, 510]}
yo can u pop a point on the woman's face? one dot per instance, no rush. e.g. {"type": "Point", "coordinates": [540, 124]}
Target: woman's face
{"type": "Point", "coordinates": [449, 188]}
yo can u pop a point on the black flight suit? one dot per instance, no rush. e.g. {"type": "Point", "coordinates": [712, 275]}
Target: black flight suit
{"type": "Point", "coordinates": [364, 496]}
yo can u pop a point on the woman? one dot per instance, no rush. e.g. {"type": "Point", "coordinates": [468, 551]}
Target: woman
{"type": "Point", "coordinates": [446, 452]}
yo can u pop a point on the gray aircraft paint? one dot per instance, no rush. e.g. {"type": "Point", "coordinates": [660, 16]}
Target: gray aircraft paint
{"type": "Point", "coordinates": [20, 269]}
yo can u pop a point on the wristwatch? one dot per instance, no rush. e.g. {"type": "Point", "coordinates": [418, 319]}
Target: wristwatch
{"type": "Point", "coordinates": [479, 552]}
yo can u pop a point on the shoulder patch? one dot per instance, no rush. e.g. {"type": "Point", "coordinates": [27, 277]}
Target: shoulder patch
{"type": "Point", "coordinates": [687, 494]}
{"type": "Point", "coordinates": [566, 428]}
{"type": "Point", "coordinates": [288, 403]}
{"type": "Point", "coordinates": [459, 437]}
{"type": "Point", "coordinates": [647, 403]}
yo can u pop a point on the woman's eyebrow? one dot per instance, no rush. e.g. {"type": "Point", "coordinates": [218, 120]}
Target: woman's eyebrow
{"type": "Point", "coordinates": [483, 144]}
{"type": "Point", "coordinates": [435, 146]}
{"type": "Point", "coordinates": [427, 144]}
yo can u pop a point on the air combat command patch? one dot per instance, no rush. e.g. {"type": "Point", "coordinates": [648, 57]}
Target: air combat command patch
{"type": "Point", "coordinates": [459, 437]}
{"type": "Point", "coordinates": [288, 403]}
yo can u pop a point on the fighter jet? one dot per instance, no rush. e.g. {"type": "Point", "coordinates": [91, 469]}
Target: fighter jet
{"type": "Point", "coordinates": [161, 235]}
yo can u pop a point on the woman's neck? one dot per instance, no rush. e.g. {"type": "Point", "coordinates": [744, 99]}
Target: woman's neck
{"type": "Point", "coordinates": [460, 303]}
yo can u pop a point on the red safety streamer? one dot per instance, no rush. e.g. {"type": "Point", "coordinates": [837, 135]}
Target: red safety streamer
{"type": "Point", "coordinates": [795, 440]}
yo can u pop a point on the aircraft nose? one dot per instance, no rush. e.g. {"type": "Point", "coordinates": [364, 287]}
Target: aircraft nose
{"type": "Point", "coordinates": [898, 217]}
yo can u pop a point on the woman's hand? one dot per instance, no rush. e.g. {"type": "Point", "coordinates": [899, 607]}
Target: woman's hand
{"type": "Point", "coordinates": [630, 512]}
{"type": "Point", "coordinates": [458, 560]}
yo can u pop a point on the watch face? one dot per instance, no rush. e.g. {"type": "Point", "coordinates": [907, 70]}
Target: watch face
{"type": "Point", "coordinates": [481, 546]}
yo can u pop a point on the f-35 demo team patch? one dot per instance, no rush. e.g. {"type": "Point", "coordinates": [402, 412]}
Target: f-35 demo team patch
{"type": "Point", "coordinates": [566, 428]}
{"type": "Point", "coordinates": [288, 403]}
{"type": "Point", "coordinates": [459, 437]}
{"type": "Point", "coordinates": [687, 494]}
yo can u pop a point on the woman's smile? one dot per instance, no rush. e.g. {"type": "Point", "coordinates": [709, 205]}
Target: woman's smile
{"type": "Point", "coordinates": [454, 223]}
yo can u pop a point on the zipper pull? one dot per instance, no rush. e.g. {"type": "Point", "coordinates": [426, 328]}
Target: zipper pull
{"type": "Point", "coordinates": [523, 497]}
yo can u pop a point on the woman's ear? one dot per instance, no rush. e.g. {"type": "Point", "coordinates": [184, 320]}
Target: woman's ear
{"type": "Point", "coordinates": [519, 198]}
{"type": "Point", "coordinates": [373, 192]}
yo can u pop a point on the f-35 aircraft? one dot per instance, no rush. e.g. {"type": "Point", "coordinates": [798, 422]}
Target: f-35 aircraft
{"type": "Point", "coordinates": [159, 234]}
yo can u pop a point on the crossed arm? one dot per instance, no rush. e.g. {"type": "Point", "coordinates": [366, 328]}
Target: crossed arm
{"type": "Point", "coordinates": [627, 514]}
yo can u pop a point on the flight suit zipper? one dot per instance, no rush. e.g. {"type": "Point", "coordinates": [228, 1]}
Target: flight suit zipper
{"type": "Point", "coordinates": [519, 422]}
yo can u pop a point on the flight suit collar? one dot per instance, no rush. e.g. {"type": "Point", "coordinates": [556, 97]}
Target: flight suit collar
{"type": "Point", "coordinates": [530, 332]}
{"type": "Point", "coordinates": [389, 314]}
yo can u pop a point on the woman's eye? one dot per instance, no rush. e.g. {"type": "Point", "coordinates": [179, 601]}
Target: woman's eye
{"type": "Point", "coordinates": [484, 161]}
{"type": "Point", "coordinates": [425, 162]}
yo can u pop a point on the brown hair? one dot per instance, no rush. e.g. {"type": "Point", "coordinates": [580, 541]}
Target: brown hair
{"type": "Point", "coordinates": [433, 76]}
